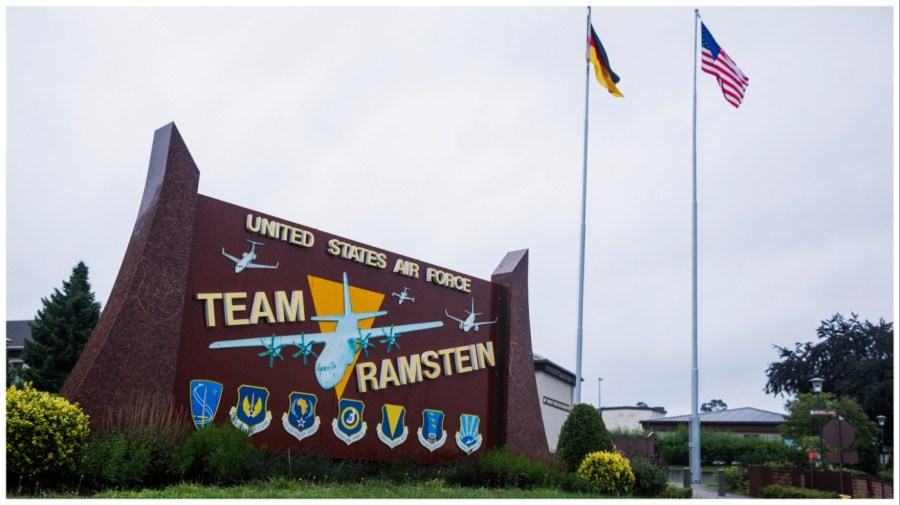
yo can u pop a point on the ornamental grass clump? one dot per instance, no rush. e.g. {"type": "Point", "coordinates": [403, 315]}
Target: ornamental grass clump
{"type": "Point", "coordinates": [608, 472]}
{"type": "Point", "coordinates": [44, 434]}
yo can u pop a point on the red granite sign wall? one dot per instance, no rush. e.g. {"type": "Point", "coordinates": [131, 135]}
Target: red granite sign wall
{"type": "Point", "coordinates": [303, 339]}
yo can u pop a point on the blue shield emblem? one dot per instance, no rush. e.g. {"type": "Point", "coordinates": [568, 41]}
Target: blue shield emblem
{"type": "Point", "coordinates": [432, 435]}
{"type": "Point", "coordinates": [205, 396]}
{"type": "Point", "coordinates": [349, 425]}
{"type": "Point", "coordinates": [250, 414]}
{"type": "Point", "coordinates": [301, 420]}
{"type": "Point", "coordinates": [392, 430]}
{"type": "Point", "coordinates": [467, 438]}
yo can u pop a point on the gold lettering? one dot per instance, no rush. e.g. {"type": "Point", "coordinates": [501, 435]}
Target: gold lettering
{"type": "Point", "coordinates": [250, 226]}
{"type": "Point", "coordinates": [261, 308]}
{"type": "Point", "coordinates": [293, 309]}
{"type": "Point", "coordinates": [486, 354]}
{"type": "Point", "coordinates": [388, 374]}
{"type": "Point", "coordinates": [365, 373]}
{"type": "Point", "coordinates": [446, 354]}
{"type": "Point", "coordinates": [209, 310]}
{"type": "Point", "coordinates": [231, 307]}
{"type": "Point", "coordinates": [410, 370]}
{"type": "Point", "coordinates": [461, 357]}
{"type": "Point", "coordinates": [428, 358]}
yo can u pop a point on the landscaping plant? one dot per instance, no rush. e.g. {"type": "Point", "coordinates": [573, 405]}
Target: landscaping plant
{"type": "Point", "coordinates": [608, 472]}
{"type": "Point", "coordinates": [44, 434]}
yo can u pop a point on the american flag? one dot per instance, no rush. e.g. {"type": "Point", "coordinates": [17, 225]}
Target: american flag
{"type": "Point", "coordinates": [716, 62]}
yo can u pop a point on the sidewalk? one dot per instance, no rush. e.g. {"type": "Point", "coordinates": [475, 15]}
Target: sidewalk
{"type": "Point", "coordinates": [703, 492]}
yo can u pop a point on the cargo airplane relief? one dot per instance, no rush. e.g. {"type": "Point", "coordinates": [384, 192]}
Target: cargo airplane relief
{"type": "Point", "coordinates": [341, 346]}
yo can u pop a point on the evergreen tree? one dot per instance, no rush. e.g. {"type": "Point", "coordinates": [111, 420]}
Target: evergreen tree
{"type": "Point", "coordinates": [59, 332]}
{"type": "Point", "coordinates": [582, 433]}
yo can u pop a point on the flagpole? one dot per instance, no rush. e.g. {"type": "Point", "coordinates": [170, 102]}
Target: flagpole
{"type": "Point", "coordinates": [587, 74]}
{"type": "Point", "coordinates": [695, 418]}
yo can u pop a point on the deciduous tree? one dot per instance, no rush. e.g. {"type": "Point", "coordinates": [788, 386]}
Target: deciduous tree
{"type": "Point", "coordinates": [855, 359]}
{"type": "Point", "coordinates": [714, 405]}
{"type": "Point", "coordinates": [801, 426]}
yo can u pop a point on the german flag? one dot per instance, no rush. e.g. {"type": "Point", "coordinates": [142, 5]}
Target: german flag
{"type": "Point", "coordinates": [605, 75]}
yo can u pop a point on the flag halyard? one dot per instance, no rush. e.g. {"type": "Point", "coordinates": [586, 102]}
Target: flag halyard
{"type": "Point", "coordinates": [716, 62]}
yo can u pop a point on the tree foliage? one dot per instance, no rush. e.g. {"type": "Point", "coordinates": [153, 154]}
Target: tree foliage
{"type": "Point", "coordinates": [802, 427]}
{"type": "Point", "coordinates": [60, 331]}
{"type": "Point", "coordinates": [583, 432]}
{"type": "Point", "coordinates": [714, 405]}
{"type": "Point", "coordinates": [854, 358]}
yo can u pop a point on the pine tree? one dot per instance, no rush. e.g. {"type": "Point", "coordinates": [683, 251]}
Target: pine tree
{"type": "Point", "coordinates": [59, 332]}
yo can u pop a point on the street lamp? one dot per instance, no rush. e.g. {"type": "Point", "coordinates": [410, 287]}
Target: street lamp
{"type": "Point", "coordinates": [599, 395]}
{"type": "Point", "coordinates": [817, 389]}
{"type": "Point", "coordinates": [881, 420]}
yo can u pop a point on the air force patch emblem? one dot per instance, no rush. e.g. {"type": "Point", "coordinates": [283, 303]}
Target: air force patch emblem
{"type": "Point", "coordinates": [432, 435]}
{"type": "Point", "coordinates": [250, 414]}
{"type": "Point", "coordinates": [467, 438]}
{"type": "Point", "coordinates": [391, 429]}
{"type": "Point", "coordinates": [205, 396]}
{"type": "Point", "coordinates": [349, 425]}
{"type": "Point", "coordinates": [301, 420]}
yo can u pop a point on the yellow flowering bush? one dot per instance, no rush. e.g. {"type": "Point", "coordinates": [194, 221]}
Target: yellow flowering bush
{"type": "Point", "coordinates": [44, 434]}
{"type": "Point", "coordinates": [608, 472]}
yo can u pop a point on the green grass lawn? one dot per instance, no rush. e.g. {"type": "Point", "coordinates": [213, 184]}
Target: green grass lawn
{"type": "Point", "coordinates": [284, 488]}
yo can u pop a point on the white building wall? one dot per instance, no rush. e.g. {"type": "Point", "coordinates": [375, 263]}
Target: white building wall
{"type": "Point", "coordinates": [556, 398]}
{"type": "Point", "coordinates": [627, 419]}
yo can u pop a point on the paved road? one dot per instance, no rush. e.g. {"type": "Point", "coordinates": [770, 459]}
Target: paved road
{"type": "Point", "coordinates": [703, 492]}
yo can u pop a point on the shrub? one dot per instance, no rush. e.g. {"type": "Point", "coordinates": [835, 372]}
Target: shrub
{"type": "Point", "coordinates": [501, 469]}
{"type": "Point", "coordinates": [219, 454]}
{"type": "Point", "coordinates": [649, 479]}
{"type": "Point", "coordinates": [674, 492]}
{"type": "Point", "coordinates": [582, 433]}
{"type": "Point", "coordinates": [115, 460]}
{"type": "Point", "coordinates": [737, 480]}
{"type": "Point", "coordinates": [130, 459]}
{"type": "Point", "coordinates": [44, 434]}
{"type": "Point", "coordinates": [789, 492]}
{"type": "Point", "coordinates": [137, 442]}
{"type": "Point", "coordinates": [607, 472]}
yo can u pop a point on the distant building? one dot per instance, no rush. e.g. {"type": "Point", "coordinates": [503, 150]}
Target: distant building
{"type": "Point", "coordinates": [17, 332]}
{"type": "Point", "coordinates": [629, 418]}
{"type": "Point", "coordinates": [556, 392]}
{"type": "Point", "coordinates": [744, 421]}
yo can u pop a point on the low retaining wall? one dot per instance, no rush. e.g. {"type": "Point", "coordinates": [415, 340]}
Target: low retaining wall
{"type": "Point", "coordinates": [857, 486]}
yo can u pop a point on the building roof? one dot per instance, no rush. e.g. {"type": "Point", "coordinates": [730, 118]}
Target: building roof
{"type": "Point", "coordinates": [545, 365]}
{"type": "Point", "coordinates": [744, 415]}
{"type": "Point", "coordinates": [660, 410]}
{"type": "Point", "coordinates": [16, 334]}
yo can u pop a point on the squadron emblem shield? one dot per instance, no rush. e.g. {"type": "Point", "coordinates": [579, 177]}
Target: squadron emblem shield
{"type": "Point", "coordinates": [250, 414]}
{"type": "Point", "coordinates": [391, 429]}
{"type": "Point", "coordinates": [432, 435]}
{"type": "Point", "coordinates": [205, 396]}
{"type": "Point", "coordinates": [301, 420]}
{"type": "Point", "coordinates": [349, 425]}
{"type": "Point", "coordinates": [467, 438]}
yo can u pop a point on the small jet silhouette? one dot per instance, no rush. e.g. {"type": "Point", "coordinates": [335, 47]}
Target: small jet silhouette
{"type": "Point", "coordinates": [470, 323]}
{"type": "Point", "coordinates": [403, 296]}
{"type": "Point", "coordinates": [246, 260]}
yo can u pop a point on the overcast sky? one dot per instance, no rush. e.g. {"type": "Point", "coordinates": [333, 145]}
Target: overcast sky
{"type": "Point", "coordinates": [455, 135]}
